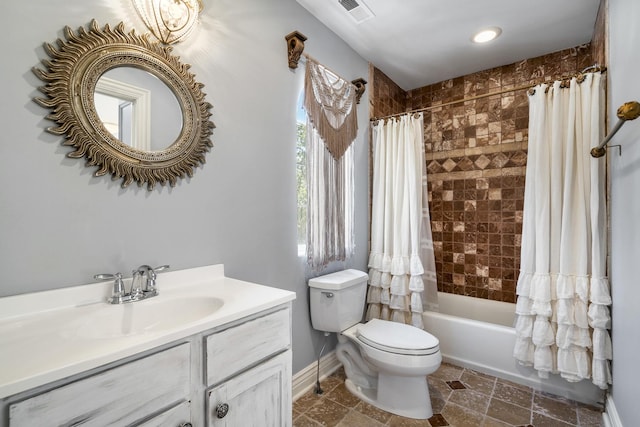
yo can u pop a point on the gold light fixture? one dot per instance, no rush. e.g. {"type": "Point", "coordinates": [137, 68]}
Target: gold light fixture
{"type": "Point", "coordinates": [170, 21]}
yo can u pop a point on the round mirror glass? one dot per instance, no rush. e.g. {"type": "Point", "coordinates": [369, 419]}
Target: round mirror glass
{"type": "Point", "coordinates": [138, 109]}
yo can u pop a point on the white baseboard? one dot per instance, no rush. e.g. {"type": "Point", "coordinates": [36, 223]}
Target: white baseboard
{"type": "Point", "coordinates": [305, 379]}
{"type": "Point", "coordinates": [610, 416]}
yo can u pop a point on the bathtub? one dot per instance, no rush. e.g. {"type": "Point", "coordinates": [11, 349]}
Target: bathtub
{"type": "Point", "coordinates": [478, 334]}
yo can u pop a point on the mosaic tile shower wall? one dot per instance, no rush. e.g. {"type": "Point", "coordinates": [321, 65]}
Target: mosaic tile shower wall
{"type": "Point", "coordinates": [476, 155]}
{"type": "Point", "coordinates": [387, 97]}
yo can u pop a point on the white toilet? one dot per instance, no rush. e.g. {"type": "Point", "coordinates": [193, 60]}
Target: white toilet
{"type": "Point", "coordinates": [386, 363]}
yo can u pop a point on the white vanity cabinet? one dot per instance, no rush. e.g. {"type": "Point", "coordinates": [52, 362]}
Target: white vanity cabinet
{"type": "Point", "coordinates": [206, 342]}
{"type": "Point", "coordinates": [123, 395]}
{"type": "Point", "coordinates": [244, 366]}
{"type": "Point", "coordinates": [249, 367]}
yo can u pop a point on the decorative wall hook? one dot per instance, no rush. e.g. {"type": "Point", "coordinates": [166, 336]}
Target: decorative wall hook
{"type": "Point", "coordinates": [295, 46]}
{"type": "Point", "coordinates": [359, 84]}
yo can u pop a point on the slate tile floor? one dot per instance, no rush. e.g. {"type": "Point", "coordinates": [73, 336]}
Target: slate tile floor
{"type": "Point", "coordinates": [460, 398]}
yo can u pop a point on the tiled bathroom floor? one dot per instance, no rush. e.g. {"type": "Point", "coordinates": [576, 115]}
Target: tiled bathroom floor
{"type": "Point", "coordinates": [460, 398]}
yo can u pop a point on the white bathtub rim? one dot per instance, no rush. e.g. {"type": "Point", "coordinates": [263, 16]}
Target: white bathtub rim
{"type": "Point", "coordinates": [476, 309]}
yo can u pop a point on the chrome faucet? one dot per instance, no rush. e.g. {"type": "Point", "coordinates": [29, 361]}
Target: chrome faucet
{"type": "Point", "coordinates": [138, 291]}
{"type": "Point", "coordinates": [149, 289]}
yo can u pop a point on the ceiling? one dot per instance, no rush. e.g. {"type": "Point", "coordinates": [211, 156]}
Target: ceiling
{"type": "Point", "coordinates": [419, 42]}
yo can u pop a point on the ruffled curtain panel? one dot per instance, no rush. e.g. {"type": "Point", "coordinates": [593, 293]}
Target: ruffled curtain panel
{"type": "Point", "coordinates": [562, 312]}
{"type": "Point", "coordinates": [402, 261]}
{"type": "Point", "coordinates": [329, 102]}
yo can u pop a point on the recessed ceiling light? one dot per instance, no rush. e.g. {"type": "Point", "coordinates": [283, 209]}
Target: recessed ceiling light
{"type": "Point", "coordinates": [487, 35]}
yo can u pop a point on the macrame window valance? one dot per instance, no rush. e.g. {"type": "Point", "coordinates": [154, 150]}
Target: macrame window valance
{"type": "Point", "coordinates": [330, 104]}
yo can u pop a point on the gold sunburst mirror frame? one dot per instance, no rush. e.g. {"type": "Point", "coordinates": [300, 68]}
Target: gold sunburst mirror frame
{"type": "Point", "coordinates": [71, 76]}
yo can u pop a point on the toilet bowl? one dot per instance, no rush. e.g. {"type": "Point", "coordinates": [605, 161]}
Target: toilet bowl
{"type": "Point", "coordinates": [386, 363]}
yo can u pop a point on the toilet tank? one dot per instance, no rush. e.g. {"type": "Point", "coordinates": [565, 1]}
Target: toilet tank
{"type": "Point", "coordinates": [337, 300]}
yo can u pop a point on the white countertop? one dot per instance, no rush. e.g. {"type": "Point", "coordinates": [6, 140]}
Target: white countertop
{"type": "Point", "coordinates": [39, 343]}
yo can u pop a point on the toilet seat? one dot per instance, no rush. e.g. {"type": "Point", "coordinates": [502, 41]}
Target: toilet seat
{"type": "Point", "coordinates": [397, 338]}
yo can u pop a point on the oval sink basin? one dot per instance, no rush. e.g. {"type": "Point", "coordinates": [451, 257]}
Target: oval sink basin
{"type": "Point", "coordinates": [140, 317]}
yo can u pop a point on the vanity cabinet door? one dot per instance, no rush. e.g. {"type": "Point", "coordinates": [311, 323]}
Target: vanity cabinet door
{"type": "Point", "coordinates": [258, 397]}
{"type": "Point", "coordinates": [235, 349]}
{"type": "Point", "coordinates": [120, 396]}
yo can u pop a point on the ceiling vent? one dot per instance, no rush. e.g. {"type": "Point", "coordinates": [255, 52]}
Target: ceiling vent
{"type": "Point", "coordinates": [358, 11]}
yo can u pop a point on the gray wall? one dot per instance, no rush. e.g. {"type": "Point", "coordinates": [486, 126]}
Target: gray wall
{"type": "Point", "coordinates": [59, 225]}
{"type": "Point", "coordinates": [624, 86]}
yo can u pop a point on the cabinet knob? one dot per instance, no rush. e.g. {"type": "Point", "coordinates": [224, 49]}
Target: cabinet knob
{"type": "Point", "coordinates": [187, 424]}
{"type": "Point", "coordinates": [221, 410]}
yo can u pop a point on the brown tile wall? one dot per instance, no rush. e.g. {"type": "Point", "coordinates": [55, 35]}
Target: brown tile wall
{"type": "Point", "coordinates": [388, 98]}
{"type": "Point", "coordinates": [476, 154]}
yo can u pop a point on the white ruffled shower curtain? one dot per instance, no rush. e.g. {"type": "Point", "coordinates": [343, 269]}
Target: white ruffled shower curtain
{"type": "Point", "coordinates": [562, 312]}
{"type": "Point", "coordinates": [401, 262]}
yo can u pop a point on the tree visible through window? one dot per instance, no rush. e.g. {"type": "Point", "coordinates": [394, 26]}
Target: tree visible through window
{"type": "Point", "coordinates": [301, 178]}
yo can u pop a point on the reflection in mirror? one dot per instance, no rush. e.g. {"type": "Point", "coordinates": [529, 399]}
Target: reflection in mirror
{"type": "Point", "coordinates": [116, 104]}
{"type": "Point", "coordinates": [138, 108]}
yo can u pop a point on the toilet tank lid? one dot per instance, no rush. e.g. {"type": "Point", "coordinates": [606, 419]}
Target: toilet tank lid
{"type": "Point", "coordinates": [339, 280]}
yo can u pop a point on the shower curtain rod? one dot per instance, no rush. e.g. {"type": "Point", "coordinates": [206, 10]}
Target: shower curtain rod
{"type": "Point", "coordinates": [595, 67]}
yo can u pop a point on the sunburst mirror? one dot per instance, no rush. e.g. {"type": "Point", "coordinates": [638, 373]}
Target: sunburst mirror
{"type": "Point", "coordinates": [126, 104]}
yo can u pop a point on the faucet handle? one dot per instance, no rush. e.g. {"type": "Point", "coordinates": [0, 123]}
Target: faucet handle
{"type": "Point", "coordinates": [118, 292]}
{"type": "Point", "coordinates": [105, 276]}
{"type": "Point", "coordinates": [151, 279]}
